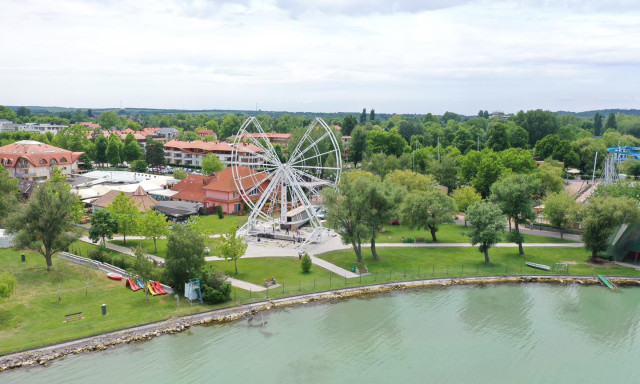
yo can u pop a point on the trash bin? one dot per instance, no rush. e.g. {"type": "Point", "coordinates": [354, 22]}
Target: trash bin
{"type": "Point", "coordinates": [104, 309]}
{"type": "Point", "coordinates": [23, 258]}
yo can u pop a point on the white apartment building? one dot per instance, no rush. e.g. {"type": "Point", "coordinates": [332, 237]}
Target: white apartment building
{"type": "Point", "coordinates": [192, 152]}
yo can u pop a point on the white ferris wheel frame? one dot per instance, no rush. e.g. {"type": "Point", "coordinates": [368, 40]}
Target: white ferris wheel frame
{"type": "Point", "coordinates": [294, 183]}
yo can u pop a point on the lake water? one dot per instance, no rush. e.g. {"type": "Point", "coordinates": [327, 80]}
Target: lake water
{"type": "Point", "coordinates": [499, 334]}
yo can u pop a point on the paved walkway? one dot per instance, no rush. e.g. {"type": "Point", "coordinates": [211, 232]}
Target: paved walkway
{"type": "Point", "coordinates": [245, 285]}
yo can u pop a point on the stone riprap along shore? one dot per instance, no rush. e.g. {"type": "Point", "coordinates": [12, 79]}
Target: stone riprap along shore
{"type": "Point", "coordinates": [44, 355]}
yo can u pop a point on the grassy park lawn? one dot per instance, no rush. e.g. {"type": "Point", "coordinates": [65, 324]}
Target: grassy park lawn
{"type": "Point", "coordinates": [146, 244]}
{"type": "Point", "coordinates": [33, 316]}
{"type": "Point", "coordinates": [81, 248]}
{"type": "Point", "coordinates": [215, 225]}
{"type": "Point", "coordinates": [447, 233]}
{"type": "Point", "coordinates": [440, 262]}
{"type": "Point", "coordinates": [284, 269]}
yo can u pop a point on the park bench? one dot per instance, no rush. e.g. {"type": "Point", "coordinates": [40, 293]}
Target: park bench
{"type": "Point", "coordinates": [421, 240]}
{"type": "Point", "coordinates": [269, 282]}
{"type": "Point", "coordinates": [73, 316]}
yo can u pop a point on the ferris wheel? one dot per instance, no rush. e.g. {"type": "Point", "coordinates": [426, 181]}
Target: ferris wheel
{"type": "Point", "coordinates": [281, 188]}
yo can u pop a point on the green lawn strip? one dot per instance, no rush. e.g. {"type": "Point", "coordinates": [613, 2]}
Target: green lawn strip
{"type": "Point", "coordinates": [215, 225]}
{"type": "Point", "coordinates": [146, 244]}
{"type": "Point", "coordinates": [33, 316]}
{"type": "Point", "coordinates": [447, 233]}
{"type": "Point", "coordinates": [81, 248]}
{"type": "Point", "coordinates": [441, 262]}
{"type": "Point", "coordinates": [283, 269]}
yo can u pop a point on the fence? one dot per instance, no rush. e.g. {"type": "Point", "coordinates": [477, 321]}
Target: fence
{"type": "Point", "coordinates": [328, 281]}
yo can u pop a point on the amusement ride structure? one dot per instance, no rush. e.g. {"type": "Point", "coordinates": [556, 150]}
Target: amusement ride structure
{"type": "Point", "coordinates": [283, 192]}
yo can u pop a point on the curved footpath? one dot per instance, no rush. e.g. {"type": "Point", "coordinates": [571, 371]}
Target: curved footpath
{"type": "Point", "coordinates": [44, 355]}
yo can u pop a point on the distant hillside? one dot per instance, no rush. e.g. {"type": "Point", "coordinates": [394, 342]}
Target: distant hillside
{"type": "Point", "coordinates": [604, 112]}
{"type": "Point", "coordinates": [212, 112]}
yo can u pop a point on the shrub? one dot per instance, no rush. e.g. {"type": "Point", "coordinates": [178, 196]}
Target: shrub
{"type": "Point", "coordinates": [306, 263]}
{"type": "Point", "coordinates": [216, 296]}
{"type": "Point", "coordinates": [139, 166]}
{"type": "Point", "coordinates": [7, 284]}
{"type": "Point", "coordinates": [219, 210]}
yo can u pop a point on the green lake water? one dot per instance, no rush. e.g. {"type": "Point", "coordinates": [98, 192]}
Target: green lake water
{"type": "Point", "coordinates": [526, 333]}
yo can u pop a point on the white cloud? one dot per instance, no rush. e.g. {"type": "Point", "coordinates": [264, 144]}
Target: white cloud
{"type": "Point", "coordinates": [394, 56]}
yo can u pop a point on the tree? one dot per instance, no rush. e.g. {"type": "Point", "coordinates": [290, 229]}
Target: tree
{"type": "Point", "coordinates": [518, 160]}
{"type": "Point", "coordinates": [101, 149]}
{"type": "Point", "coordinates": [408, 128]}
{"type": "Point", "coordinates": [231, 246]}
{"type": "Point", "coordinates": [211, 163]}
{"type": "Point", "coordinates": [411, 181]}
{"type": "Point", "coordinates": [131, 150]}
{"type": "Point", "coordinates": [382, 201]}
{"type": "Point", "coordinates": [142, 268]}
{"type": "Point", "coordinates": [152, 225]}
{"type": "Point", "coordinates": [446, 172]}
{"type": "Point", "coordinates": [558, 149]}
{"type": "Point", "coordinates": [345, 210]}
{"type": "Point", "coordinates": [7, 114]}
{"type": "Point", "coordinates": [230, 126]}
{"type": "Point", "coordinates": [188, 136]}
{"type": "Point", "coordinates": [550, 175]}
{"type": "Point", "coordinates": [597, 124]}
{"type": "Point", "coordinates": [498, 140]}
{"type": "Point", "coordinates": [306, 262]}
{"type": "Point", "coordinates": [23, 112]}
{"type": "Point", "coordinates": [487, 223]}
{"type": "Point", "coordinates": [601, 217]}
{"type": "Point", "coordinates": [538, 123]}
{"type": "Point", "coordinates": [428, 209]}
{"type": "Point", "coordinates": [357, 145]}
{"type": "Point", "coordinates": [46, 222]}
{"type": "Point", "coordinates": [363, 116]}
{"type": "Point", "coordinates": [348, 125]}
{"type": "Point", "coordinates": [464, 198]}
{"type": "Point", "coordinates": [126, 212]}
{"type": "Point", "coordinates": [389, 143]}
{"type": "Point", "coordinates": [518, 137]}
{"type": "Point", "coordinates": [8, 193]}
{"type": "Point", "coordinates": [489, 171]}
{"type": "Point", "coordinates": [109, 119]}
{"type": "Point", "coordinates": [514, 195]}
{"type": "Point", "coordinates": [113, 150]}
{"type": "Point", "coordinates": [139, 166]}
{"type": "Point", "coordinates": [179, 174]}
{"type": "Point", "coordinates": [103, 226]}
{"type": "Point", "coordinates": [464, 139]}
{"type": "Point", "coordinates": [611, 122]}
{"type": "Point", "coordinates": [154, 153]}
{"type": "Point", "coordinates": [372, 115]}
{"type": "Point", "coordinates": [560, 209]}
{"type": "Point", "coordinates": [185, 255]}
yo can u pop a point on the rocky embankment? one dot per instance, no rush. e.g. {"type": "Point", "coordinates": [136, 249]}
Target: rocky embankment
{"type": "Point", "coordinates": [44, 355]}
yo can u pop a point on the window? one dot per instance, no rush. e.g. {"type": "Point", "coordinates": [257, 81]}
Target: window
{"type": "Point", "coordinates": [63, 159]}
{"type": "Point", "coordinates": [237, 207]}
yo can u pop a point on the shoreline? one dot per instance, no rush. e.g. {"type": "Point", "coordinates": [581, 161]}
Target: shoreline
{"type": "Point", "coordinates": [43, 355]}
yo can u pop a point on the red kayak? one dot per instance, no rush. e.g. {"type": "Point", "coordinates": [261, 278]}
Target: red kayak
{"type": "Point", "coordinates": [114, 276]}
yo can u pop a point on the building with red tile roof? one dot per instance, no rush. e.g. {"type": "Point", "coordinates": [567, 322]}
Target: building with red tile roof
{"type": "Point", "coordinates": [220, 189]}
{"type": "Point", "coordinates": [207, 133]}
{"type": "Point", "coordinates": [89, 124]}
{"type": "Point", "coordinates": [281, 139]}
{"type": "Point", "coordinates": [33, 160]}
{"type": "Point", "coordinates": [140, 198]}
{"type": "Point", "coordinates": [192, 152]}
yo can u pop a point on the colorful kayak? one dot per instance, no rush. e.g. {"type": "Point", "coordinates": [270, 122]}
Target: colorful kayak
{"type": "Point", "coordinates": [114, 276]}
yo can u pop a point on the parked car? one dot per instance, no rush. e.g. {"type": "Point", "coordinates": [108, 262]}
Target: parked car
{"type": "Point", "coordinates": [320, 213]}
{"type": "Point", "coordinates": [395, 222]}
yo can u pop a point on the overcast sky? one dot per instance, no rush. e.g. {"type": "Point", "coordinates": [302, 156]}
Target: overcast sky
{"type": "Point", "coordinates": [334, 55]}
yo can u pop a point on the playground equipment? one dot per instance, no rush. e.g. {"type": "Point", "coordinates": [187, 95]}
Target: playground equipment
{"type": "Point", "coordinates": [607, 283]}
{"type": "Point", "coordinates": [133, 285]}
{"type": "Point", "coordinates": [192, 291]}
{"type": "Point", "coordinates": [280, 193]}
